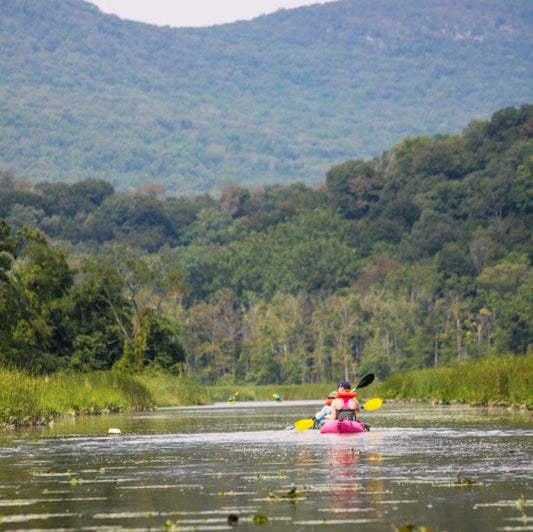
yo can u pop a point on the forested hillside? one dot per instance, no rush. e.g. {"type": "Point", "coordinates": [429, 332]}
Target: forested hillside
{"type": "Point", "coordinates": [276, 100]}
{"type": "Point", "coordinates": [417, 258]}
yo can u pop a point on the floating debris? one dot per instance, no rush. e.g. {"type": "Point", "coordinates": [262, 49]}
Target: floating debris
{"type": "Point", "coordinates": [521, 504]}
{"type": "Point", "coordinates": [114, 431]}
{"type": "Point", "coordinates": [260, 519]}
{"type": "Point", "coordinates": [170, 525]}
{"type": "Point", "coordinates": [414, 528]}
{"type": "Point", "coordinates": [233, 519]}
{"type": "Point", "coordinates": [291, 495]}
{"type": "Point", "coordinates": [467, 482]}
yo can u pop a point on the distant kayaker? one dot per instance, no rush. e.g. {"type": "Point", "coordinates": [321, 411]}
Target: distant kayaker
{"type": "Point", "coordinates": [345, 405]}
{"type": "Point", "coordinates": [232, 398]}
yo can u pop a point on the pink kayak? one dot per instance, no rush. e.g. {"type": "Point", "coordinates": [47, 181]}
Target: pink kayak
{"type": "Point", "coordinates": [341, 426]}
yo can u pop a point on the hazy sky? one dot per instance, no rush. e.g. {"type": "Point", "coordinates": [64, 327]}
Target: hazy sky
{"type": "Point", "coordinates": [195, 12]}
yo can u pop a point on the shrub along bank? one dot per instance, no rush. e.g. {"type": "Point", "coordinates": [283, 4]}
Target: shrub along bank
{"type": "Point", "coordinates": [504, 381]}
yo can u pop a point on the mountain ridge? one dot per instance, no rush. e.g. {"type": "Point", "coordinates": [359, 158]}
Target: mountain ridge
{"type": "Point", "coordinates": [277, 99]}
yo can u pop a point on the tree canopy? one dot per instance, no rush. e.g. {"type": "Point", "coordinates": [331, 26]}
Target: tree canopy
{"type": "Point", "coordinates": [417, 258]}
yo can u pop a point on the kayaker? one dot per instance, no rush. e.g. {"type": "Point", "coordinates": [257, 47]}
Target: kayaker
{"type": "Point", "coordinates": [320, 417]}
{"type": "Point", "coordinates": [232, 398]}
{"type": "Point", "coordinates": [345, 405]}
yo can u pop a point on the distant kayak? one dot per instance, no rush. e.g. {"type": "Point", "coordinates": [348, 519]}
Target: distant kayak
{"type": "Point", "coordinates": [341, 426]}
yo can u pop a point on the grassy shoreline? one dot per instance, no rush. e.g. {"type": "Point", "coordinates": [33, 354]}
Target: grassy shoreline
{"type": "Point", "coordinates": [505, 381]}
{"type": "Point", "coordinates": [31, 400]}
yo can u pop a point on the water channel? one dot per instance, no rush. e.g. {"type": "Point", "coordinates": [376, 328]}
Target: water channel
{"type": "Point", "coordinates": [241, 467]}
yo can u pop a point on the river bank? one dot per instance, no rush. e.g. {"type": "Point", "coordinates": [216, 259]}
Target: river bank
{"type": "Point", "coordinates": [34, 400]}
{"type": "Point", "coordinates": [505, 381]}
{"type": "Point", "coordinates": [31, 400]}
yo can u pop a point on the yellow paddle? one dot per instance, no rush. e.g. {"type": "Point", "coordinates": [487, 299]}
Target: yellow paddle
{"type": "Point", "coordinates": [373, 404]}
{"type": "Point", "coordinates": [304, 424]}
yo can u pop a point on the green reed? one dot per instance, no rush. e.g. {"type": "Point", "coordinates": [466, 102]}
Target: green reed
{"type": "Point", "coordinates": [504, 380]}
{"type": "Point", "coordinates": [172, 390]}
{"type": "Point", "coordinates": [19, 398]}
{"type": "Point", "coordinates": [95, 392]}
{"type": "Point", "coordinates": [26, 399]}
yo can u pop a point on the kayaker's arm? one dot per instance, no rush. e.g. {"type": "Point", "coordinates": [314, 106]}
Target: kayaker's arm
{"type": "Point", "coordinates": [357, 405]}
{"type": "Point", "coordinates": [335, 405]}
{"type": "Point", "coordinates": [323, 413]}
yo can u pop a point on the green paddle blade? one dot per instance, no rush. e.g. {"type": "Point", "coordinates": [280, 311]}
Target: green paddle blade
{"type": "Point", "coordinates": [303, 424]}
{"type": "Point", "coordinates": [373, 404]}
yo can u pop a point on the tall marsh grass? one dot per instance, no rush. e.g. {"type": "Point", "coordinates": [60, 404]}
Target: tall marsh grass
{"type": "Point", "coordinates": [19, 398]}
{"type": "Point", "coordinates": [504, 380]}
{"type": "Point", "coordinates": [170, 390]}
{"type": "Point", "coordinates": [26, 399]}
{"type": "Point", "coordinates": [94, 392]}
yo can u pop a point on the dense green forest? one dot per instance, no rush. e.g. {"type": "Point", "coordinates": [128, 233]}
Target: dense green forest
{"type": "Point", "coordinates": [417, 258]}
{"type": "Point", "coordinates": [280, 99]}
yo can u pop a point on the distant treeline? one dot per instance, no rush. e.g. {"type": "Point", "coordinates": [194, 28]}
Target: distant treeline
{"type": "Point", "coordinates": [415, 259]}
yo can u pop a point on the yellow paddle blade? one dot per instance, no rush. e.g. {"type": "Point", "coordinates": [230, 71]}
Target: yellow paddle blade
{"type": "Point", "coordinates": [373, 404]}
{"type": "Point", "coordinates": [303, 424]}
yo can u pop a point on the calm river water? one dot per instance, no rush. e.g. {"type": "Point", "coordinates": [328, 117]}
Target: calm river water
{"type": "Point", "coordinates": [239, 467]}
